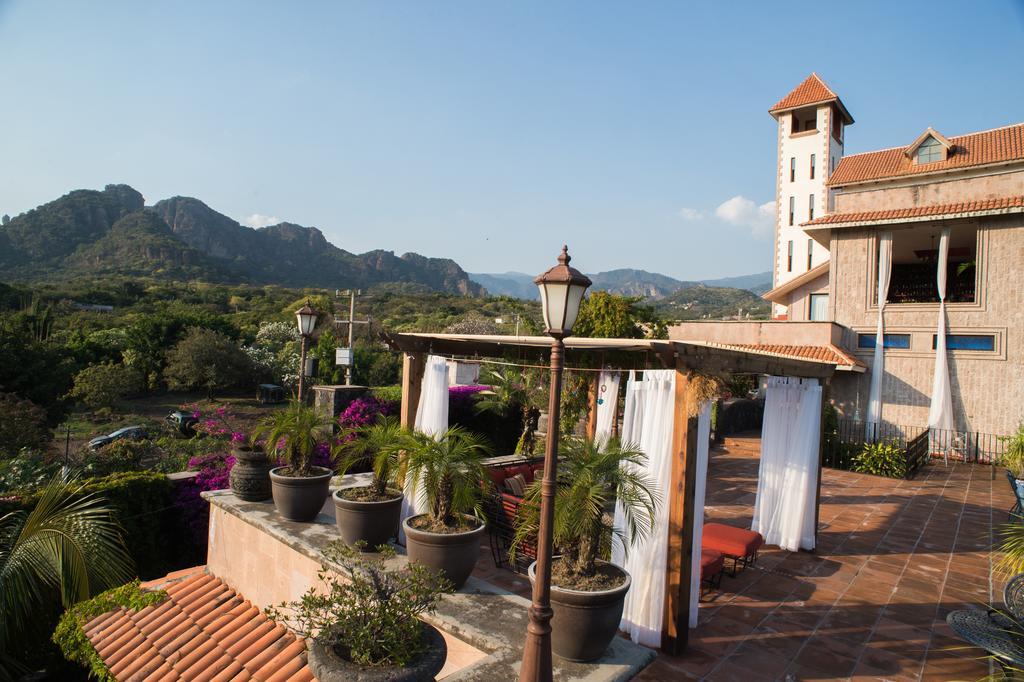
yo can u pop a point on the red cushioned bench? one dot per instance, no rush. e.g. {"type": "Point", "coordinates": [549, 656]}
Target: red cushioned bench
{"type": "Point", "coordinates": [738, 544]}
{"type": "Point", "coordinates": [502, 507]}
{"type": "Point", "coordinates": [712, 565]}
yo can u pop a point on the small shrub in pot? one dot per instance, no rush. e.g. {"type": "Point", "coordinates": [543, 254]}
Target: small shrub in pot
{"type": "Point", "coordinates": [366, 620]}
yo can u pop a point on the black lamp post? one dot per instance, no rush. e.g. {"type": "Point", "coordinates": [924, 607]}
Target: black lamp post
{"type": "Point", "coordinates": [306, 318]}
{"type": "Point", "coordinates": [561, 292]}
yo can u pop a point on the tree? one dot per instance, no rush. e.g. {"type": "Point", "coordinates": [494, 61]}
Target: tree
{"type": "Point", "coordinates": [22, 424]}
{"type": "Point", "coordinates": [208, 360]}
{"type": "Point", "coordinates": [36, 371]}
{"type": "Point", "coordinates": [607, 316]}
{"type": "Point", "coordinates": [106, 384]}
{"type": "Point", "coordinates": [67, 548]}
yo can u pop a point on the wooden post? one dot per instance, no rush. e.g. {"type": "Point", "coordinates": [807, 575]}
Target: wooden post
{"type": "Point", "coordinates": [679, 564]}
{"type": "Point", "coordinates": [592, 395]}
{"type": "Point", "coordinates": [825, 397]}
{"type": "Point", "coordinates": [413, 365]}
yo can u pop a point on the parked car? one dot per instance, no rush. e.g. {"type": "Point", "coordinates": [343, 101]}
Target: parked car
{"type": "Point", "coordinates": [128, 432]}
{"type": "Point", "coordinates": [182, 422]}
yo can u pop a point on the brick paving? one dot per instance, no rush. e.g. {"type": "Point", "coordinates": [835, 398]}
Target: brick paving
{"type": "Point", "coordinates": [894, 558]}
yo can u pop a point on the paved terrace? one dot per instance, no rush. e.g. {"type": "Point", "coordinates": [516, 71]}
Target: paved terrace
{"type": "Point", "coordinates": [894, 558]}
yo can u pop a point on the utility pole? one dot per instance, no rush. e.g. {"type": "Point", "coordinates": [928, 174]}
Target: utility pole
{"type": "Point", "coordinates": [351, 322]}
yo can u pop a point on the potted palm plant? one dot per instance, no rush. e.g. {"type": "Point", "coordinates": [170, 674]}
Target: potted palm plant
{"type": "Point", "coordinates": [365, 626]}
{"type": "Point", "coordinates": [1013, 457]}
{"type": "Point", "coordinates": [370, 514]}
{"type": "Point", "coordinates": [294, 435]}
{"type": "Point", "coordinates": [448, 473]}
{"type": "Point", "coordinates": [587, 591]}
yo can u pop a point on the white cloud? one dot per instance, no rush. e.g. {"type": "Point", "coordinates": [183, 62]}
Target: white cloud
{"type": "Point", "coordinates": [743, 212]}
{"type": "Point", "coordinates": [690, 213]}
{"type": "Point", "coordinates": [260, 220]}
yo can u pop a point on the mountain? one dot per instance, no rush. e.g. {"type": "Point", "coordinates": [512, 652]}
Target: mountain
{"type": "Point", "coordinates": [757, 283]}
{"type": "Point", "coordinates": [700, 301]}
{"type": "Point", "coordinates": [87, 232]}
{"type": "Point", "coordinates": [515, 284]}
{"type": "Point", "coordinates": [625, 282]}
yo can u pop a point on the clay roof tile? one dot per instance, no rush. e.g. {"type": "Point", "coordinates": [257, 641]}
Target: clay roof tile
{"type": "Point", "coordinates": [203, 631]}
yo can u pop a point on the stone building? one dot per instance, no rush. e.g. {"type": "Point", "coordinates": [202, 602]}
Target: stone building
{"type": "Point", "coordinates": [971, 185]}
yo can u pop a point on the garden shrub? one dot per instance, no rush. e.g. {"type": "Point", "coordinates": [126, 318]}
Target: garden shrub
{"type": "Point", "coordinates": [106, 384]}
{"type": "Point", "coordinates": [118, 456]}
{"type": "Point", "coordinates": [388, 394]}
{"type": "Point", "coordinates": [70, 636]}
{"type": "Point", "coordinates": [27, 471]}
{"type": "Point", "coordinates": [22, 425]}
{"type": "Point", "coordinates": [882, 459]}
{"type": "Point", "coordinates": [207, 360]}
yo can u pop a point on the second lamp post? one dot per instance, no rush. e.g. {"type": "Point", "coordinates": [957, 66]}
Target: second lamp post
{"type": "Point", "coordinates": [306, 318]}
{"type": "Point", "coordinates": [561, 292]}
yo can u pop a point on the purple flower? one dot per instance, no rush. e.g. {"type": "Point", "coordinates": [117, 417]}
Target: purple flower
{"type": "Point", "coordinates": [365, 410]}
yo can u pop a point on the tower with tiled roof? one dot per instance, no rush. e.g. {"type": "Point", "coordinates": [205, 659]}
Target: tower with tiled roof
{"type": "Point", "coordinates": [811, 122]}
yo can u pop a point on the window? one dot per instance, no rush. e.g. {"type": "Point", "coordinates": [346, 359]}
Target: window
{"type": "Point", "coordinates": [792, 209]}
{"type": "Point", "coordinates": [915, 255]}
{"type": "Point", "coordinates": [792, 168]}
{"type": "Point", "coordinates": [931, 150]}
{"type": "Point", "coordinates": [813, 158]}
{"type": "Point", "coordinates": [900, 341]}
{"type": "Point", "coordinates": [810, 207]}
{"type": "Point", "coordinates": [789, 258]}
{"type": "Point", "coordinates": [818, 308]}
{"type": "Point", "coordinates": [810, 252]}
{"type": "Point", "coordinates": [967, 342]}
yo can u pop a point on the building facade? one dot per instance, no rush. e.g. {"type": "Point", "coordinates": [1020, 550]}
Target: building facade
{"type": "Point", "coordinates": [968, 187]}
{"type": "Point", "coordinates": [971, 185]}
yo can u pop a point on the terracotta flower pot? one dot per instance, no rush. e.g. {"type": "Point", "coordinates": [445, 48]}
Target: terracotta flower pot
{"type": "Point", "coordinates": [584, 623]}
{"type": "Point", "coordinates": [328, 666]}
{"type": "Point", "coordinates": [372, 522]}
{"type": "Point", "coordinates": [250, 476]}
{"type": "Point", "coordinates": [300, 498]}
{"type": "Point", "coordinates": [453, 554]}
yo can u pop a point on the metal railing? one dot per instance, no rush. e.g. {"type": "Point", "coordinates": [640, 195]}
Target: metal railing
{"type": "Point", "coordinates": [847, 437]}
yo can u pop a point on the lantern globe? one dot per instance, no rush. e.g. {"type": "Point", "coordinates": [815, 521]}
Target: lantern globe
{"type": "Point", "coordinates": [561, 293]}
{"type": "Point", "coordinates": [306, 318]}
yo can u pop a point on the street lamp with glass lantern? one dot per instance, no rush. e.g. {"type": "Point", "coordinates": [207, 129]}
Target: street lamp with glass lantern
{"type": "Point", "coordinates": [561, 292]}
{"type": "Point", "coordinates": [306, 318]}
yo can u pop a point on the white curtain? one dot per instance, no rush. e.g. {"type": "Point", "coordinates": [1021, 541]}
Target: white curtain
{"type": "Point", "coordinates": [878, 365]}
{"type": "Point", "coordinates": [607, 402]}
{"type": "Point", "coordinates": [703, 443]}
{"type": "Point", "coordinates": [940, 416]}
{"type": "Point", "coordinates": [787, 481]}
{"type": "Point", "coordinates": [431, 419]}
{"type": "Point", "coordinates": [650, 407]}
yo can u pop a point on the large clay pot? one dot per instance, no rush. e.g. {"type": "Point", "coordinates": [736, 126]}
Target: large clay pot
{"type": "Point", "coordinates": [250, 475]}
{"type": "Point", "coordinates": [300, 498]}
{"type": "Point", "coordinates": [584, 623]}
{"type": "Point", "coordinates": [328, 666]}
{"type": "Point", "coordinates": [372, 522]}
{"type": "Point", "coordinates": [453, 554]}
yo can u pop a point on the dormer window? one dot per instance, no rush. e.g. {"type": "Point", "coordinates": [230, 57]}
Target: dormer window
{"type": "Point", "coordinates": [930, 147]}
{"type": "Point", "coordinates": [931, 150]}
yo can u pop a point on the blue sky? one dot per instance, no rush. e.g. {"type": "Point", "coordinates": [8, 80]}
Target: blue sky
{"type": "Point", "coordinates": [487, 132]}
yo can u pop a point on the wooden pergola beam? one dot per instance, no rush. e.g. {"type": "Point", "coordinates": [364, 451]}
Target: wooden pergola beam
{"type": "Point", "coordinates": [413, 366]}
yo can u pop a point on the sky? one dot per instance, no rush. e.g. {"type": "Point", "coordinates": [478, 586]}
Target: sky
{"type": "Point", "coordinates": [487, 132]}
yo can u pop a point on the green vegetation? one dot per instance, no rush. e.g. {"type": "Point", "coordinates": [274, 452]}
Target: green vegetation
{"type": "Point", "coordinates": [449, 471]}
{"type": "Point", "coordinates": [1013, 457]}
{"type": "Point", "coordinates": [882, 459]}
{"type": "Point", "coordinates": [208, 360]}
{"type": "Point", "coordinates": [22, 425]}
{"type": "Point", "coordinates": [64, 549]}
{"type": "Point", "coordinates": [604, 315]}
{"type": "Point", "coordinates": [380, 445]}
{"type": "Point", "coordinates": [714, 303]}
{"type": "Point", "coordinates": [69, 634]}
{"type": "Point", "coordinates": [105, 385]}
{"type": "Point", "coordinates": [293, 435]}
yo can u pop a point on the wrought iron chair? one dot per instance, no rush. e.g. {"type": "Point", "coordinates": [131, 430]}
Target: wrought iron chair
{"type": "Point", "coordinates": [1017, 510]}
{"type": "Point", "coordinates": [1001, 633]}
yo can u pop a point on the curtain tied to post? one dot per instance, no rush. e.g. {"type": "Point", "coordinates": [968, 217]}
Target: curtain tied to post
{"type": "Point", "coordinates": [874, 415]}
{"type": "Point", "coordinates": [431, 419]}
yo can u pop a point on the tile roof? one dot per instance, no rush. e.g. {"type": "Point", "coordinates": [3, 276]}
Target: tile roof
{"type": "Point", "coordinates": [975, 149]}
{"type": "Point", "coordinates": [203, 631]}
{"type": "Point", "coordinates": [999, 204]}
{"type": "Point", "coordinates": [812, 91]}
{"type": "Point", "coordinates": [824, 353]}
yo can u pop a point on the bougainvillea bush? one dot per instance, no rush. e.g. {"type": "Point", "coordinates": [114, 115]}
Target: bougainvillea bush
{"type": "Point", "coordinates": [365, 411]}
